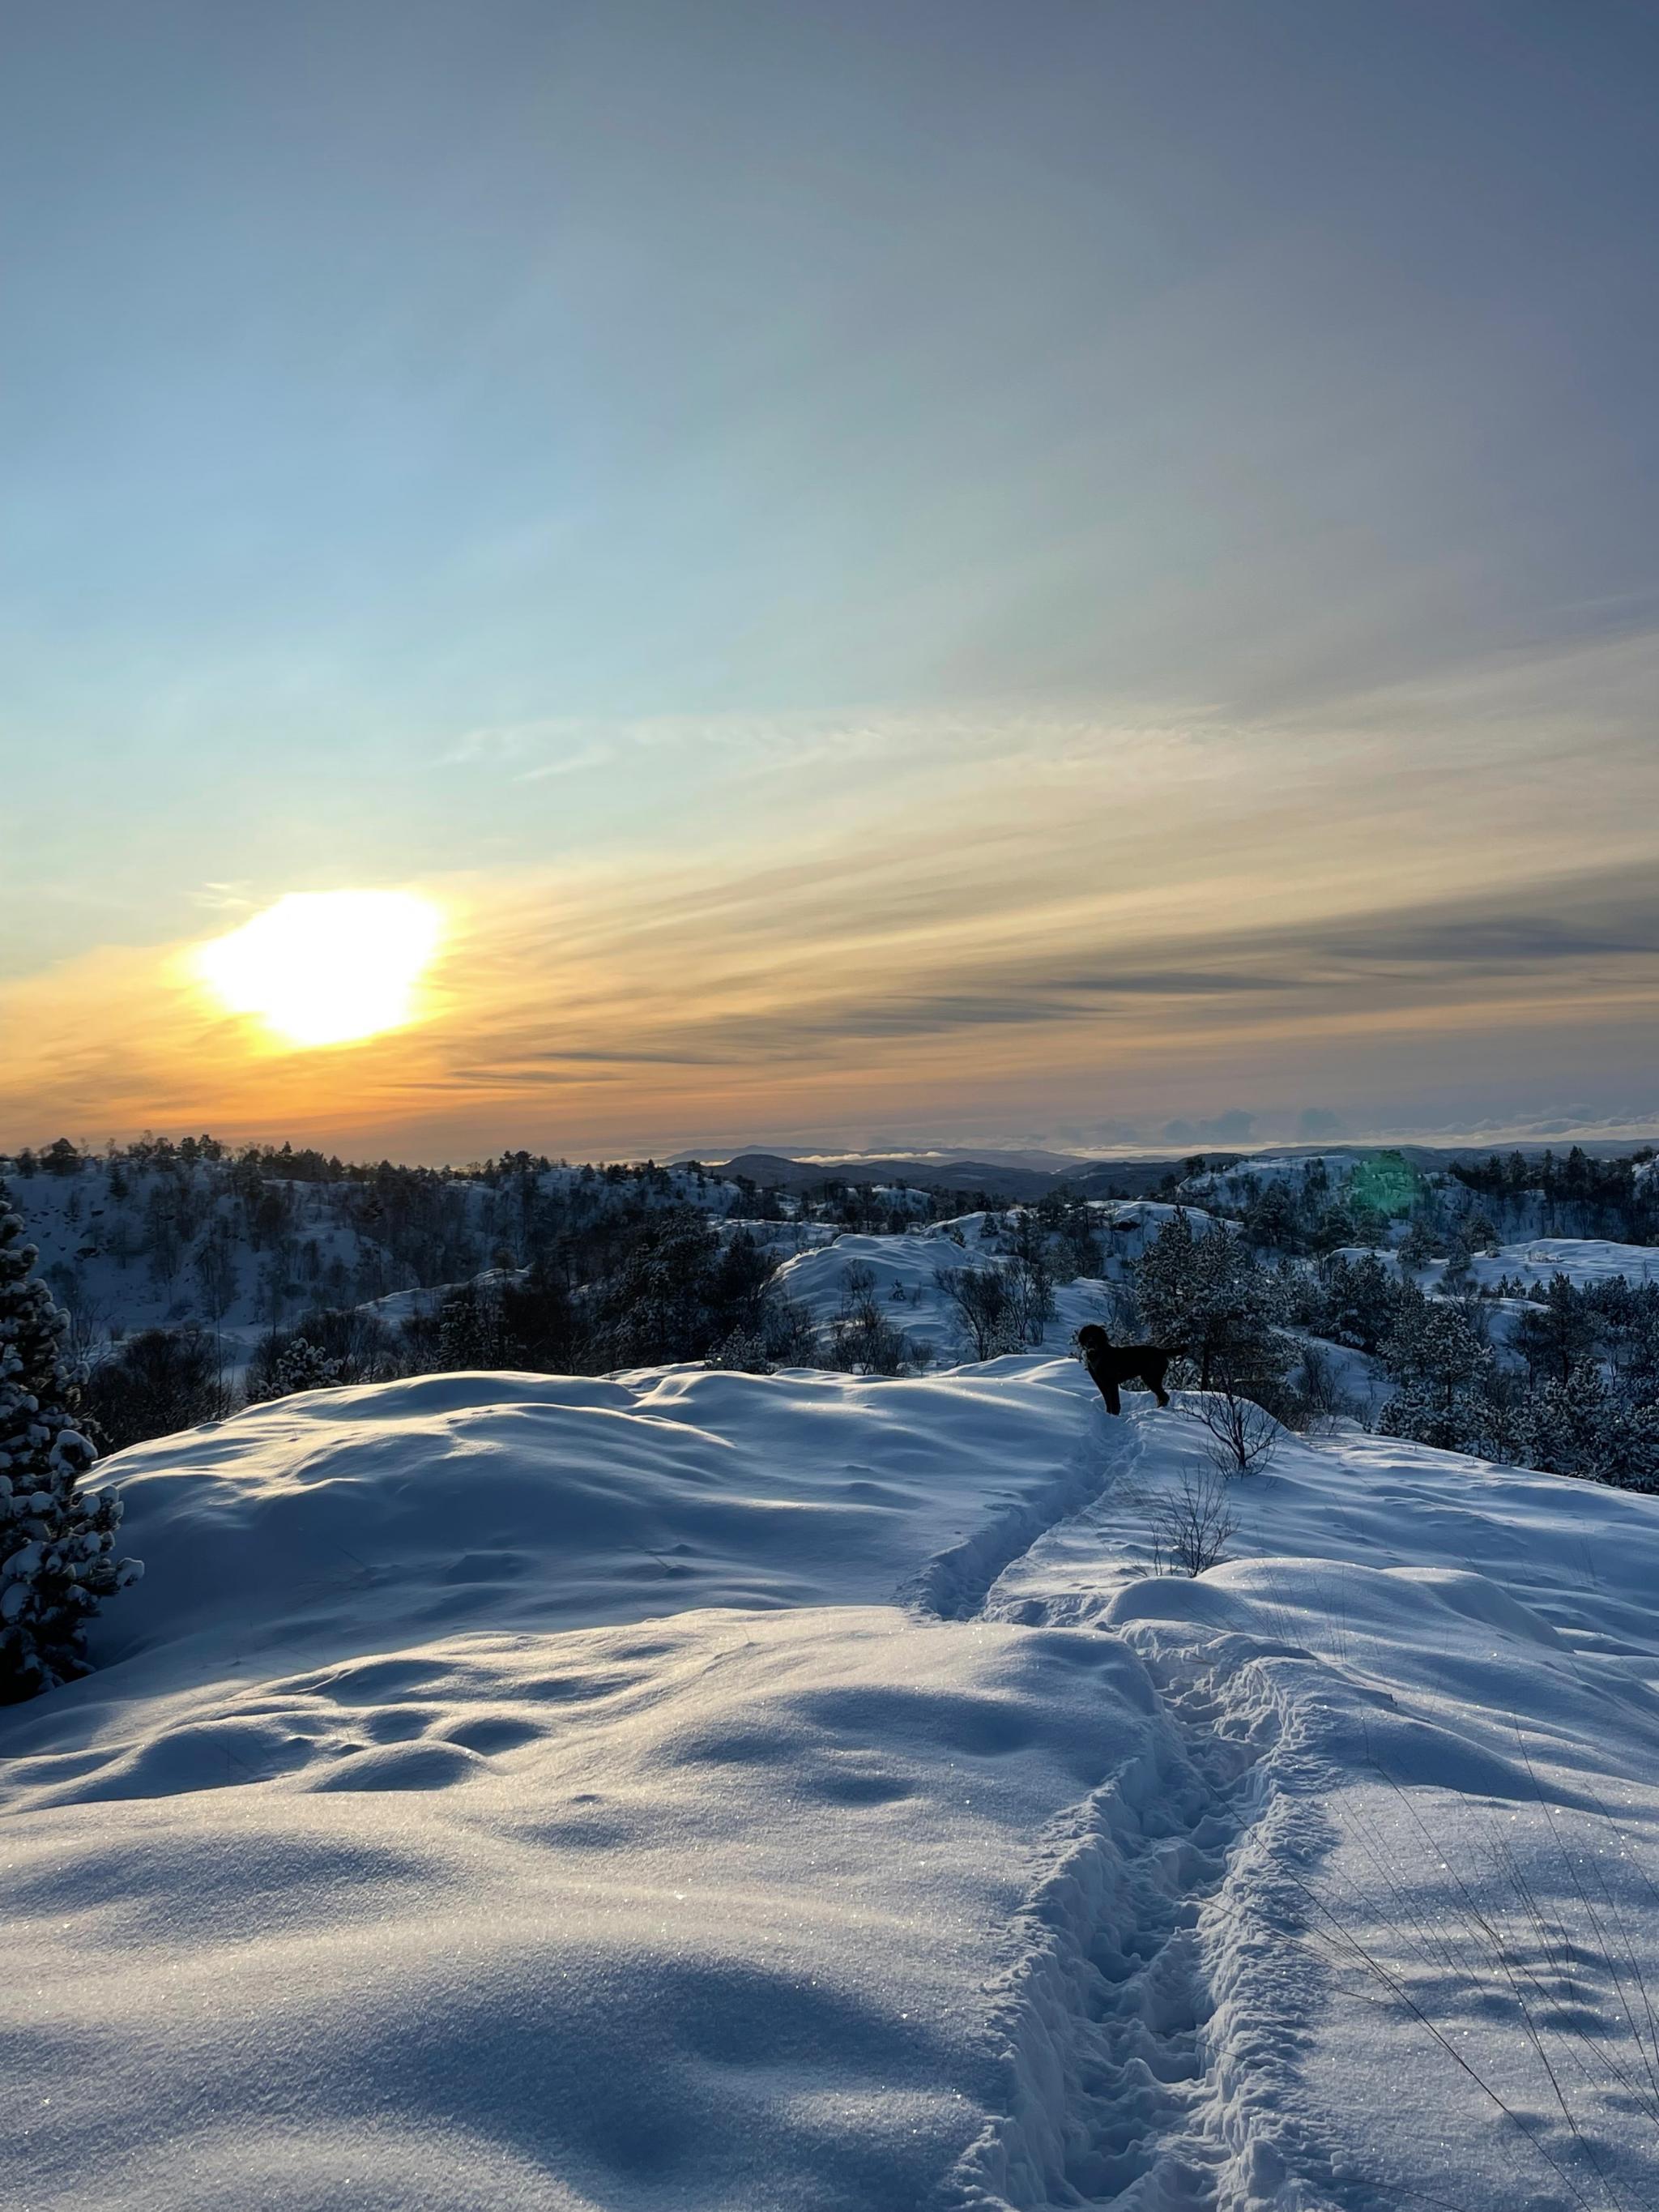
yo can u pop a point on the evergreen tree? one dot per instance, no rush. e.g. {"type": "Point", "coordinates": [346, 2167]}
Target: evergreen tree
{"type": "Point", "coordinates": [1418, 1247]}
{"type": "Point", "coordinates": [1362, 1299]}
{"type": "Point", "coordinates": [1208, 1293]}
{"type": "Point", "coordinates": [1436, 1351]}
{"type": "Point", "coordinates": [1557, 1334]}
{"type": "Point", "coordinates": [57, 1546]}
{"type": "Point", "coordinates": [1271, 1222]}
{"type": "Point", "coordinates": [290, 1367]}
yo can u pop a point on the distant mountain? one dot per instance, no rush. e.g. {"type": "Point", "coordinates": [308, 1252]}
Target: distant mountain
{"type": "Point", "coordinates": [996, 1174]}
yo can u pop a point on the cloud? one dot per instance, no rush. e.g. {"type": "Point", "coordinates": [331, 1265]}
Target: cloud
{"type": "Point", "coordinates": [1234, 1127]}
{"type": "Point", "coordinates": [1318, 1121]}
{"type": "Point", "coordinates": [1034, 926]}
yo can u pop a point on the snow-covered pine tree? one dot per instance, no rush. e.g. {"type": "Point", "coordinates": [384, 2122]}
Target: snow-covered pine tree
{"type": "Point", "coordinates": [289, 1368]}
{"type": "Point", "coordinates": [1208, 1293]}
{"type": "Point", "coordinates": [57, 1546]}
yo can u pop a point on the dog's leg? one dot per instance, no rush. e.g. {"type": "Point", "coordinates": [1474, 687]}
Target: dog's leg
{"type": "Point", "coordinates": [1109, 1391]}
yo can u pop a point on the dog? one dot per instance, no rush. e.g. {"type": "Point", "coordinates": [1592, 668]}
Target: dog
{"type": "Point", "coordinates": [1111, 1366]}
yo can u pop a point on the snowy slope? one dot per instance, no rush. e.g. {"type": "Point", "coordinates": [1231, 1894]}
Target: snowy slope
{"type": "Point", "coordinates": [1230, 1185]}
{"type": "Point", "coordinates": [911, 1264]}
{"type": "Point", "coordinates": [817, 1280]}
{"type": "Point", "coordinates": [91, 1243]}
{"type": "Point", "coordinates": [1130, 1225]}
{"type": "Point", "coordinates": [126, 1246]}
{"type": "Point", "coordinates": [451, 1503]}
{"type": "Point", "coordinates": [1424, 1693]}
{"type": "Point", "coordinates": [704, 1790]}
{"type": "Point", "coordinates": [1582, 1260]}
{"type": "Point", "coordinates": [367, 1865]}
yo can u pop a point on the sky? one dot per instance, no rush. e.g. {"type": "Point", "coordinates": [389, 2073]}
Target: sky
{"type": "Point", "coordinates": [900, 575]}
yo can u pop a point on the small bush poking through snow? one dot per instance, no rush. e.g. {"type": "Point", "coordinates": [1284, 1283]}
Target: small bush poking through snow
{"type": "Point", "coordinates": [1243, 1435]}
{"type": "Point", "coordinates": [56, 1547]}
{"type": "Point", "coordinates": [1192, 1525]}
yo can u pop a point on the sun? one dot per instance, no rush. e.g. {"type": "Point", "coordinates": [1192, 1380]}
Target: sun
{"type": "Point", "coordinates": [324, 968]}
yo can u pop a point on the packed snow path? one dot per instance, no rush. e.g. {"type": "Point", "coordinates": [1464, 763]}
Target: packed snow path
{"type": "Point", "coordinates": [1111, 2004]}
{"type": "Point", "coordinates": [693, 1789]}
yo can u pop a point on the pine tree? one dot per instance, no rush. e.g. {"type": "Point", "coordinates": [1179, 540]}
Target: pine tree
{"type": "Point", "coordinates": [1436, 1351]}
{"type": "Point", "coordinates": [1417, 1246]}
{"type": "Point", "coordinates": [291, 1367]}
{"type": "Point", "coordinates": [57, 1546]}
{"type": "Point", "coordinates": [1208, 1293]}
{"type": "Point", "coordinates": [1557, 1333]}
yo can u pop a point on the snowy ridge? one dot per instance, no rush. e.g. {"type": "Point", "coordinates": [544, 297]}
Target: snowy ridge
{"type": "Point", "coordinates": [1581, 1259]}
{"type": "Point", "coordinates": [529, 1791]}
{"type": "Point", "coordinates": [955, 1583]}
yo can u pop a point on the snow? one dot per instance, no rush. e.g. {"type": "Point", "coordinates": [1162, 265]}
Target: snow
{"type": "Point", "coordinates": [1582, 1260]}
{"type": "Point", "coordinates": [1233, 1184]}
{"type": "Point", "coordinates": [689, 1789]}
{"type": "Point", "coordinates": [93, 1243]}
{"type": "Point", "coordinates": [1425, 1692]}
{"type": "Point", "coordinates": [911, 1263]}
{"type": "Point", "coordinates": [1133, 1224]}
{"type": "Point", "coordinates": [817, 1280]}
{"type": "Point", "coordinates": [532, 1502]}
{"type": "Point", "coordinates": [90, 1242]}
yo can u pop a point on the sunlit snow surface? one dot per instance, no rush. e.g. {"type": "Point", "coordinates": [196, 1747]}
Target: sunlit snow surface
{"type": "Point", "coordinates": [691, 1789]}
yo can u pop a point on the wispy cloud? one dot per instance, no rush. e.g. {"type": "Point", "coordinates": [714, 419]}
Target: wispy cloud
{"type": "Point", "coordinates": [1021, 925]}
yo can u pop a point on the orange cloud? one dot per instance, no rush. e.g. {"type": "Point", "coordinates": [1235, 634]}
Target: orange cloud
{"type": "Point", "coordinates": [1091, 924]}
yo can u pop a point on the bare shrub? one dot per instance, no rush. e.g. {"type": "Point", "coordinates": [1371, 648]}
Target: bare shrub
{"type": "Point", "coordinates": [153, 1384]}
{"type": "Point", "coordinates": [862, 1339]}
{"type": "Point", "coordinates": [1243, 1435]}
{"type": "Point", "coordinates": [1192, 1525]}
{"type": "Point", "coordinates": [986, 1303]}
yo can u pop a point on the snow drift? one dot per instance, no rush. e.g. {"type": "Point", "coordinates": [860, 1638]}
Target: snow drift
{"type": "Point", "coordinates": [701, 1790]}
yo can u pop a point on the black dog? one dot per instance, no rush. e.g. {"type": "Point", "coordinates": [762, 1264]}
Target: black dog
{"type": "Point", "coordinates": [1111, 1364]}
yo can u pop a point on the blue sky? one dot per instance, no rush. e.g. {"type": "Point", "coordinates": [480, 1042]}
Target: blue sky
{"type": "Point", "coordinates": [484, 447]}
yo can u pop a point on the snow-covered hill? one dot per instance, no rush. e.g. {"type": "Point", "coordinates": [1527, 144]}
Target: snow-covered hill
{"type": "Point", "coordinates": [693, 1789]}
{"type": "Point", "coordinates": [1582, 1260]}
{"type": "Point", "coordinates": [136, 1241]}
{"type": "Point", "coordinates": [906, 1269]}
{"type": "Point", "coordinates": [137, 1248]}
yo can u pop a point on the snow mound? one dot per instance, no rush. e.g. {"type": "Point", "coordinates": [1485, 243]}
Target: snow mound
{"type": "Point", "coordinates": [686, 1790]}
{"type": "Point", "coordinates": [697, 1915]}
{"type": "Point", "coordinates": [341, 1521]}
{"type": "Point", "coordinates": [370, 1870]}
{"type": "Point", "coordinates": [1132, 1224]}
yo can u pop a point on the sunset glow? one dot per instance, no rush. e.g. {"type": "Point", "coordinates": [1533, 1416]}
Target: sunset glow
{"type": "Point", "coordinates": [1155, 647]}
{"type": "Point", "coordinates": [326, 967]}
